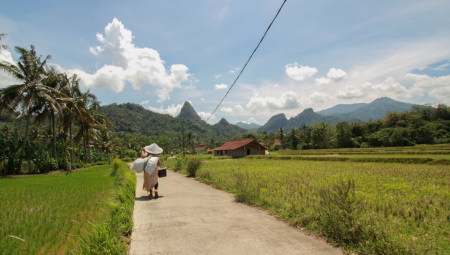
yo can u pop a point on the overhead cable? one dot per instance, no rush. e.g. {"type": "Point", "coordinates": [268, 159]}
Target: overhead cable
{"type": "Point", "coordinates": [242, 70]}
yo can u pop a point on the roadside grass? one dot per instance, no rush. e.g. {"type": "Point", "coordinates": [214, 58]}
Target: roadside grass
{"type": "Point", "coordinates": [367, 208]}
{"type": "Point", "coordinates": [50, 214]}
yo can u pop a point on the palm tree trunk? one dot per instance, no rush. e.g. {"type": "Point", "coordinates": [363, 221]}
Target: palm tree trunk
{"type": "Point", "coordinates": [54, 139]}
{"type": "Point", "coordinates": [25, 138]}
{"type": "Point", "coordinates": [71, 147]}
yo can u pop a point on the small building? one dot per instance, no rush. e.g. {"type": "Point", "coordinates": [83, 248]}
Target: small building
{"type": "Point", "coordinates": [240, 148]}
{"type": "Point", "coordinates": [277, 144]}
{"type": "Point", "coordinates": [201, 148]}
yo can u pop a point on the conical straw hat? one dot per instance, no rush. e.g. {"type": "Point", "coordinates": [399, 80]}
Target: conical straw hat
{"type": "Point", "coordinates": [153, 149]}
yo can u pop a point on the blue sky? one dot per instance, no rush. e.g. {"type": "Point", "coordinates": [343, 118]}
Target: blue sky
{"type": "Point", "coordinates": [317, 53]}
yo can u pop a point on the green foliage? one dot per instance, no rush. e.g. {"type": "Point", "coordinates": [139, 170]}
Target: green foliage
{"type": "Point", "coordinates": [193, 164]}
{"type": "Point", "coordinates": [110, 236]}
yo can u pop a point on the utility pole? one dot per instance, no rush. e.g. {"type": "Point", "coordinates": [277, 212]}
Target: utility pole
{"type": "Point", "coordinates": [182, 137]}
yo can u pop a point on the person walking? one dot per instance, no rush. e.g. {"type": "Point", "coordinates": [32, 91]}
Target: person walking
{"type": "Point", "coordinates": [151, 169]}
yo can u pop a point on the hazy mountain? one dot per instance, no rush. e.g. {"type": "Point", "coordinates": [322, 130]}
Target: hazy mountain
{"type": "Point", "coordinates": [343, 112]}
{"type": "Point", "coordinates": [187, 111]}
{"type": "Point", "coordinates": [274, 123]}
{"type": "Point", "coordinates": [365, 112]}
{"type": "Point", "coordinates": [341, 109]}
{"type": "Point", "coordinates": [308, 117]}
{"type": "Point", "coordinates": [251, 126]}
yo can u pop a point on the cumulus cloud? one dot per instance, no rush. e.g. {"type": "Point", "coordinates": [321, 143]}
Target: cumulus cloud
{"type": "Point", "coordinates": [205, 115]}
{"type": "Point", "coordinates": [144, 102]}
{"type": "Point", "coordinates": [6, 79]}
{"type": "Point", "coordinates": [252, 120]}
{"type": "Point", "coordinates": [299, 73]}
{"type": "Point", "coordinates": [319, 97]}
{"type": "Point", "coordinates": [173, 110]}
{"type": "Point", "coordinates": [288, 100]}
{"type": "Point", "coordinates": [322, 81]}
{"type": "Point", "coordinates": [336, 74]}
{"type": "Point", "coordinates": [131, 64]}
{"type": "Point", "coordinates": [437, 87]}
{"type": "Point", "coordinates": [389, 88]}
{"type": "Point", "coordinates": [221, 86]}
{"type": "Point", "coordinates": [333, 75]}
{"type": "Point", "coordinates": [227, 109]}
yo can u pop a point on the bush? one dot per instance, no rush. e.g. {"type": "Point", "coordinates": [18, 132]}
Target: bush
{"type": "Point", "coordinates": [179, 164]}
{"type": "Point", "coordinates": [192, 166]}
{"type": "Point", "coordinates": [338, 218]}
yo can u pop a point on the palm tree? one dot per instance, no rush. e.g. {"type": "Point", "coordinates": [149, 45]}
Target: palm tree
{"type": "Point", "coordinates": [48, 109]}
{"type": "Point", "coordinates": [86, 105]}
{"type": "Point", "coordinates": [30, 70]}
{"type": "Point", "coordinates": [73, 108]}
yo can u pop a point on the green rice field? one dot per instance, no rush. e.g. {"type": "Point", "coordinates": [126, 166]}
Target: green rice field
{"type": "Point", "coordinates": [49, 214]}
{"type": "Point", "coordinates": [365, 207]}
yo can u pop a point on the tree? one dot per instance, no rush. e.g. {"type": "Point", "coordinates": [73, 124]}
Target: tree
{"type": "Point", "coordinates": [294, 140]}
{"type": "Point", "coordinates": [344, 135]}
{"type": "Point", "coordinates": [30, 70]}
{"type": "Point", "coordinates": [281, 137]}
{"type": "Point", "coordinates": [322, 136]}
{"type": "Point", "coordinates": [46, 108]}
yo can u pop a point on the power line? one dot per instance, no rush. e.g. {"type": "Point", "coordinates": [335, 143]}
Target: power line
{"type": "Point", "coordinates": [242, 70]}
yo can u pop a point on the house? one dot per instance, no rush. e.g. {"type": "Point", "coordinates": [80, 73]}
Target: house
{"type": "Point", "coordinates": [201, 148]}
{"type": "Point", "coordinates": [240, 148]}
{"type": "Point", "coordinates": [277, 144]}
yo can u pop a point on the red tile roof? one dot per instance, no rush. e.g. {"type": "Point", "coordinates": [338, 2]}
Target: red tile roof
{"type": "Point", "coordinates": [232, 145]}
{"type": "Point", "coordinates": [202, 147]}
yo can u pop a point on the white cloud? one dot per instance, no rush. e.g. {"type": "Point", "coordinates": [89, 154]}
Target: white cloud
{"type": "Point", "coordinates": [402, 58]}
{"type": "Point", "coordinates": [205, 115]}
{"type": "Point", "coordinates": [298, 72]}
{"type": "Point", "coordinates": [227, 109]}
{"type": "Point", "coordinates": [319, 97]}
{"type": "Point", "coordinates": [144, 102]}
{"type": "Point", "coordinates": [350, 92]}
{"type": "Point", "coordinates": [437, 87]}
{"type": "Point", "coordinates": [288, 100]}
{"type": "Point", "coordinates": [252, 120]}
{"type": "Point", "coordinates": [221, 86]}
{"type": "Point", "coordinates": [235, 70]}
{"type": "Point", "coordinates": [217, 76]}
{"type": "Point", "coordinates": [173, 110]}
{"type": "Point", "coordinates": [131, 64]}
{"type": "Point", "coordinates": [442, 67]}
{"type": "Point", "coordinates": [336, 74]}
{"type": "Point", "coordinates": [238, 107]}
{"type": "Point", "coordinates": [322, 81]}
{"type": "Point", "coordinates": [6, 79]}
{"type": "Point", "coordinates": [333, 75]}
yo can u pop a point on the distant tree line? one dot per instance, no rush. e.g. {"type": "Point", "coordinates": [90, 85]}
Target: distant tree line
{"type": "Point", "coordinates": [421, 125]}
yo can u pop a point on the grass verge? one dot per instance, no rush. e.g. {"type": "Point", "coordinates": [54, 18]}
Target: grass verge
{"type": "Point", "coordinates": [111, 235]}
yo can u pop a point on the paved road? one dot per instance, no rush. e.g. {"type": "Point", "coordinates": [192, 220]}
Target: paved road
{"type": "Point", "coordinates": [193, 218]}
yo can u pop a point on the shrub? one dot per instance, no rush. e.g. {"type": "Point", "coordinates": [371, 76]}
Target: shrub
{"type": "Point", "coordinates": [179, 164]}
{"type": "Point", "coordinates": [193, 165]}
{"type": "Point", "coordinates": [338, 205]}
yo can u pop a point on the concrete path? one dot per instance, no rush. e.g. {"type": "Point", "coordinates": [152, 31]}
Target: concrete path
{"type": "Point", "coordinates": [190, 217]}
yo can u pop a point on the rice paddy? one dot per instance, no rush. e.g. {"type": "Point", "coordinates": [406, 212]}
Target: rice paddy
{"type": "Point", "coordinates": [366, 207]}
{"type": "Point", "coordinates": [47, 214]}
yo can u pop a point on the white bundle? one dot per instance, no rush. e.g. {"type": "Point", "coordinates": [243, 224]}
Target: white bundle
{"type": "Point", "coordinates": [138, 165]}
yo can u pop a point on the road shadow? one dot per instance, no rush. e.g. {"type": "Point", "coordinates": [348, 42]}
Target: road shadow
{"type": "Point", "coordinates": [147, 198]}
